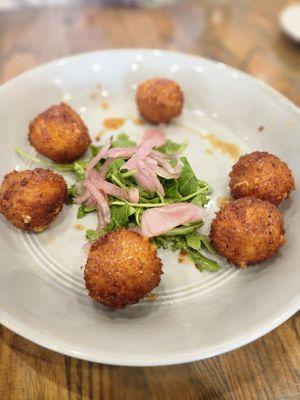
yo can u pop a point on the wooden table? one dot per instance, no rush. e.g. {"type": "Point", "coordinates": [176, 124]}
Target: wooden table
{"type": "Point", "coordinates": [242, 33]}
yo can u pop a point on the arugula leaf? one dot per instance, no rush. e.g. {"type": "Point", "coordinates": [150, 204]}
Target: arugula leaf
{"type": "Point", "coordinates": [171, 147]}
{"type": "Point", "coordinates": [115, 175]}
{"type": "Point", "coordinates": [171, 188]}
{"type": "Point", "coordinates": [83, 210]}
{"type": "Point", "coordinates": [119, 217]}
{"type": "Point", "coordinates": [200, 200]}
{"type": "Point", "coordinates": [193, 240]}
{"type": "Point", "coordinates": [155, 200]}
{"type": "Point", "coordinates": [173, 242]}
{"type": "Point", "coordinates": [202, 262]}
{"type": "Point", "coordinates": [199, 241]}
{"type": "Point", "coordinates": [79, 169]}
{"type": "Point", "coordinates": [94, 150]}
{"type": "Point", "coordinates": [132, 211]}
{"type": "Point", "coordinates": [187, 182]}
{"type": "Point", "coordinates": [184, 229]}
{"type": "Point", "coordinates": [123, 140]}
{"type": "Point", "coordinates": [146, 197]}
{"type": "Point", "coordinates": [73, 167]}
{"type": "Point", "coordinates": [205, 243]}
{"type": "Point", "coordinates": [191, 243]}
{"type": "Point", "coordinates": [71, 193]}
{"type": "Point", "coordinates": [114, 169]}
{"type": "Point", "coordinates": [138, 215]}
{"type": "Point", "coordinates": [160, 242]}
{"type": "Point", "coordinates": [204, 187]}
{"type": "Point", "coordinates": [178, 243]}
{"type": "Point", "coordinates": [92, 235]}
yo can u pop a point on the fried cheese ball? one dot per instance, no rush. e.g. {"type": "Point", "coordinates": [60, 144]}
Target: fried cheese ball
{"type": "Point", "coordinates": [262, 175]}
{"type": "Point", "coordinates": [59, 134]}
{"type": "Point", "coordinates": [159, 100]}
{"type": "Point", "coordinates": [122, 267]}
{"type": "Point", "coordinates": [247, 231]}
{"type": "Point", "coordinates": [32, 199]}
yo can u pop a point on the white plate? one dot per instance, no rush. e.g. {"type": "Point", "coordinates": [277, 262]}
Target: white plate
{"type": "Point", "coordinates": [195, 315]}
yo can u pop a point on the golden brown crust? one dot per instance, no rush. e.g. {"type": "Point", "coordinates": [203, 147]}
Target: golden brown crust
{"type": "Point", "coordinates": [32, 199]}
{"type": "Point", "coordinates": [247, 231]}
{"type": "Point", "coordinates": [122, 267]}
{"type": "Point", "coordinates": [159, 100]}
{"type": "Point", "coordinates": [59, 134]}
{"type": "Point", "coordinates": [262, 175]}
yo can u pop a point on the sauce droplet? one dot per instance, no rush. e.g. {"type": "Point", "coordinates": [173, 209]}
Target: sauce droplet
{"type": "Point", "coordinates": [230, 149]}
{"type": "Point", "coordinates": [104, 105]}
{"type": "Point", "coordinates": [113, 123]}
{"type": "Point", "coordinates": [79, 227]}
{"type": "Point", "coordinates": [93, 96]}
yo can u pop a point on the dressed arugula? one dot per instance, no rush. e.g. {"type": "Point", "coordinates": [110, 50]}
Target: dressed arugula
{"type": "Point", "coordinates": [185, 188]}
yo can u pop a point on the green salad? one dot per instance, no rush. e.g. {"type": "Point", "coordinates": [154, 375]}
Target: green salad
{"type": "Point", "coordinates": [185, 187]}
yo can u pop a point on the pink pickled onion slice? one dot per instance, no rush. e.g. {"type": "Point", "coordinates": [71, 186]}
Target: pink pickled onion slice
{"type": "Point", "coordinates": [121, 152]}
{"type": "Point", "coordinates": [96, 178]}
{"type": "Point", "coordinates": [159, 220]}
{"type": "Point", "coordinates": [104, 167]}
{"type": "Point", "coordinates": [101, 223]}
{"type": "Point", "coordinates": [82, 198]}
{"type": "Point", "coordinates": [114, 190]}
{"type": "Point", "coordinates": [156, 135]}
{"type": "Point", "coordinates": [100, 199]}
{"type": "Point", "coordinates": [142, 151]}
{"type": "Point", "coordinates": [91, 202]}
{"type": "Point", "coordinates": [102, 153]}
{"type": "Point", "coordinates": [133, 195]}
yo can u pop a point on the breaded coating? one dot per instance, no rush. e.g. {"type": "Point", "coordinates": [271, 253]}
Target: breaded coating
{"type": "Point", "coordinates": [122, 267]}
{"type": "Point", "coordinates": [159, 100]}
{"type": "Point", "coordinates": [59, 134]}
{"type": "Point", "coordinates": [262, 175]}
{"type": "Point", "coordinates": [247, 231]}
{"type": "Point", "coordinates": [32, 199]}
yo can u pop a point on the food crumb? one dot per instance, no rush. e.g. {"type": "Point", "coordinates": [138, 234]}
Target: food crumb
{"type": "Point", "coordinates": [99, 135]}
{"type": "Point", "coordinates": [152, 297]}
{"type": "Point", "coordinates": [183, 257]}
{"type": "Point", "coordinates": [261, 128]}
{"type": "Point", "coordinates": [79, 227]}
{"type": "Point", "coordinates": [26, 219]}
{"type": "Point", "coordinates": [93, 96]}
{"type": "Point", "coordinates": [208, 151]}
{"type": "Point", "coordinates": [104, 105]}
{"type": "Point", "coordinates": [222, 200]}
{"type": "Point", "coordinates": [138, 121]}
{"type": "Point", "coordinates": [48, 239]}
{"type": "Point", "coordinates": [230, 149]}
{"type": "Point", "coordinates": [113, 123]}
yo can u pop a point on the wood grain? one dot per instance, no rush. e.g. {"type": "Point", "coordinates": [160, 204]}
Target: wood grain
{"type": "Point", "coordinates": [241, 33]}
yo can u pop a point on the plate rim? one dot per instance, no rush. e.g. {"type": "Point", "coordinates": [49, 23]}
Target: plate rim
{"type": "Point", "coordinates": [181, 357]}
{"type": "Point", "coordinates": [53, 63]}
{"type": "Point", "coordinates": [142, 361]}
